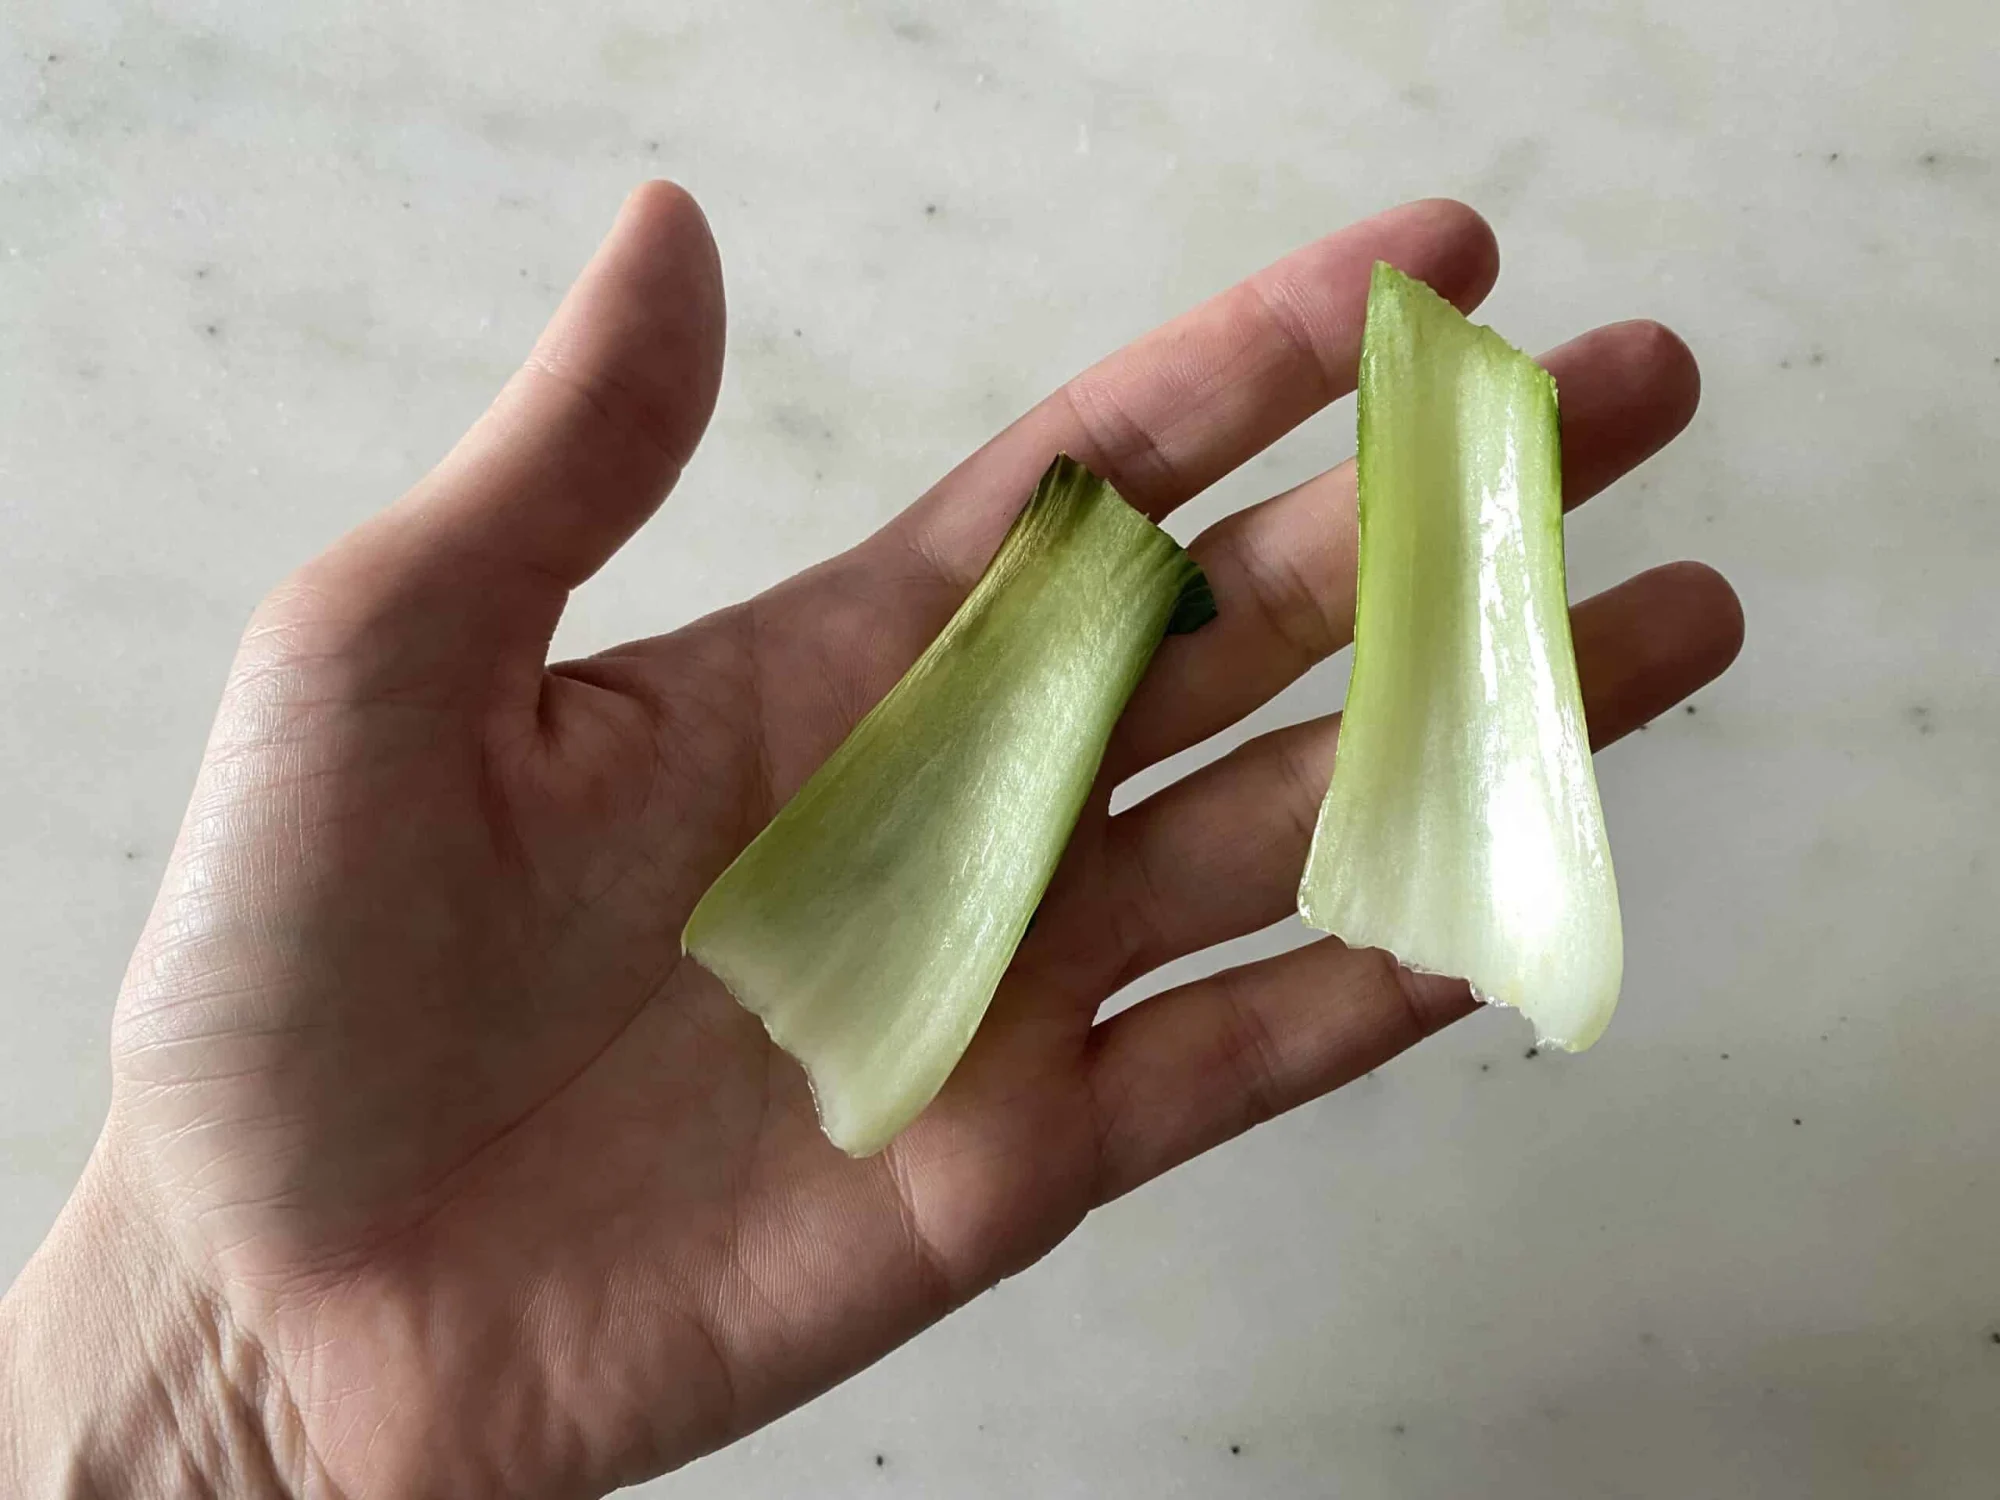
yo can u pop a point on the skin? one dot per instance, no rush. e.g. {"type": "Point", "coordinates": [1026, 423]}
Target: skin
{"type": "Point", "coordinates": [432, 1167]}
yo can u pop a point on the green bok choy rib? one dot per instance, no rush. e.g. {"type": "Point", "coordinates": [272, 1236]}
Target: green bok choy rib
{"type": "Point", "coordinates": [869, 925]}
{"type": "Point", "coordinates": [1462, 830]}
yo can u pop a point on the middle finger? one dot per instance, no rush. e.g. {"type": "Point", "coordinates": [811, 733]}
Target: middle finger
{"type": "Point", "coordinates": [1283, 570]}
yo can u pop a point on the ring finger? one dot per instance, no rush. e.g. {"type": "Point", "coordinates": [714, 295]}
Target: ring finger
{"type": "Point", "coordinates": [1218, 854]}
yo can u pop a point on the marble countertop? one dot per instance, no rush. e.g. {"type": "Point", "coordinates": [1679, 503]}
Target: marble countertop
{"type": "Point", "coordinates": [259, 266]}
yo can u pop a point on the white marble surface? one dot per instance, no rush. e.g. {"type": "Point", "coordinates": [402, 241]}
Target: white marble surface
{"type": "Point", "coordinates": [259, 265]}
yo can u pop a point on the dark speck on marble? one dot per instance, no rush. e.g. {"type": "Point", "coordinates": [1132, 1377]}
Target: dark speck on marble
{"type": "Point", "coordinates": [1532, 1052]}
{"type": "Point", "coordinates": [213, 330]}
{"type": "Point", "coordinates": [1920, 716]}
{"type": "Point", "coordinates": [1691, 708]}
{"type": "Point", "coordinates": [1797, 1121]}
{"type": "Point", "coordinates": [915, 32]}
{"type": "Point", "coordinates": [1235, 1449]}
{"type": "Point", "coordinates": [880, 1460]}
{"type": "Point", "coordinates": [801, 426]}
{"type": "Point", "coordinates": [1399, 1428]}
{"type": "Point", "coordinates": [1928, 159]}
{"type": "Point", "coordinates": [1832, 157]}
{"type": "Point", "coordinates": [930, 210]}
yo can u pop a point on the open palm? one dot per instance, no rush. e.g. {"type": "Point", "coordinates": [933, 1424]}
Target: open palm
{"type": "Point", "coordinates": [487, 1189]}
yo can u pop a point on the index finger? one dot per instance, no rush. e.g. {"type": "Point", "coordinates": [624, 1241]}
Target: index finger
{"type": "Point", "coordinates": [1168, 415]}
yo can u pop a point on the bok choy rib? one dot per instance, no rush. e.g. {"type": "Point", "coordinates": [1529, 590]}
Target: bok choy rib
{"type": "Point", "coordinates": [1462, 831]}
{"type": "Point", "coordinates": [869, 925]}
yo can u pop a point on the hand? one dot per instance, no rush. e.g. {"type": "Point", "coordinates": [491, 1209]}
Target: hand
{"type": "Point", "coordinates": [432, 1166]}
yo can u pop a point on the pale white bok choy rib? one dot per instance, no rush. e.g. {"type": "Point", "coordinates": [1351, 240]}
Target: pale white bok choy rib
{"type": "Point", "coordinates": [870, 923]}
{"type": "Point", "coordinates": [1462, 831]}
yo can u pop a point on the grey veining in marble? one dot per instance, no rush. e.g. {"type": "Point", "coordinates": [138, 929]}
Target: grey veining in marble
{"type": "Point", "coordinates": [259, 264]}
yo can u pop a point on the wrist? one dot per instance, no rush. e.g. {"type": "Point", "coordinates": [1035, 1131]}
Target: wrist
{"type": "Point", "coordinates": [120, 1375]}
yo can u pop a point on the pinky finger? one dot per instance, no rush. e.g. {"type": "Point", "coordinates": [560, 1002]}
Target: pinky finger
{"type": "Point", "coordinates": [1201, 1064]}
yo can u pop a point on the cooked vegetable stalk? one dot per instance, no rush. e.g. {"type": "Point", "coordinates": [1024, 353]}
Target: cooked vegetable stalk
{"type": "Point", "coordinates": [1462, 830]}
{"type": "Point", "coordinates": [870, 923]}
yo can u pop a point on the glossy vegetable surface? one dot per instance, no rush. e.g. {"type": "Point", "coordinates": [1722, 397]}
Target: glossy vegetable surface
{"type": "Point", "coordinates": [1462, 830]}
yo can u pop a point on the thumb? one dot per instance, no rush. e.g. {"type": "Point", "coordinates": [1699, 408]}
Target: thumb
{"type": "Point", "coordinates": [468, 573]}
